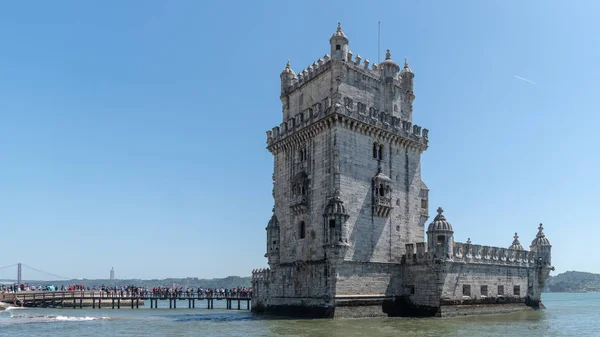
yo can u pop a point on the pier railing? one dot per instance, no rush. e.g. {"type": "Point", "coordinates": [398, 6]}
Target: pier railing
{"type": "Point", "coordinates": [78, 294]}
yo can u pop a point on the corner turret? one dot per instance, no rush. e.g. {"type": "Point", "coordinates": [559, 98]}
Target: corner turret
{"type": "Point", "coordinates": [273, 240]}
{"type": "Point", "coordinates": [542, 248]}
{"type": "Point", "coordinates": [440, 237]}
{"type": "Point", "coordinates": [287, 77]}
{"type": "Point", "coordinates": [339, 44]}
{"type": "Point", "coordinates": [407, 77]}
{"type": "Point", "coordinates": [389, 67]}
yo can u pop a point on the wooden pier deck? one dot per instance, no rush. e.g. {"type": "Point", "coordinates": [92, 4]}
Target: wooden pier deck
{"type": "Point", "coordinates": [98, 299]}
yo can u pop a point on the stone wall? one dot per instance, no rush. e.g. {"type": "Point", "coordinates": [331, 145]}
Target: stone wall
{"type": "Point", "coordinates": [289, 171]}
{"type": "Point", "coordinates": [362, 278]}
{"type": "Point", "coordinates": [292, 288]}
{"type": "Point", "coordinates": [380, 239]}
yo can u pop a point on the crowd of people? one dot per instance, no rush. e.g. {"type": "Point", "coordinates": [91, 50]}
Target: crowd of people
{"type": "Point", "coordinates": [133, 291]}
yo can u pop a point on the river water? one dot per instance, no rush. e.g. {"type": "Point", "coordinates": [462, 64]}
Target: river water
{"type": "Point", "coordinates": [567, 314]}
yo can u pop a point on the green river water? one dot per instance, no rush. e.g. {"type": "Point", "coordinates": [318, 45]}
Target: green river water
{"type": "Point", "coordinates": [567, 314]}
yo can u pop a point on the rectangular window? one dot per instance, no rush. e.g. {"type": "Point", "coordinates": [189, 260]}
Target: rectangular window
{"type": "Point", "coordinates": [424, 203]}
{"type": "Point", "coordinates": [331, 223]}
{"type": "Point", "coordinates": [484, 291]}
{"type": "Point", "coordinates": [441, 240]}
{"type": "Point", "coordinates": [302, 230]}
{"type": "Point", "coordinates": [348, 102]}
{"type": "Point", "coordinates": [361, 108]}
{"type": "Point", "coordinates": [517, 291]}
{"type": "Point", "coordinates": [466, 290]}
{"type": "Point", "coordinates": [375, 148]}
{"type": "Point", "coordinates": [500, 290]}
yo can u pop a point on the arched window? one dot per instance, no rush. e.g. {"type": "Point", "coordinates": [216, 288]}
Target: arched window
{"type": "Point", "coordinates": [302, 155]}
{"type": "Point", "coordinates": [375, 150]}
{"type": "Point", "coordinates": [302, 190]}
{"type": "Point", "coordinates": [302, 230]}
{"type": "Point", "coordinates": [381, 190]}
{"type": "Point", "coordinates": [380, 152]}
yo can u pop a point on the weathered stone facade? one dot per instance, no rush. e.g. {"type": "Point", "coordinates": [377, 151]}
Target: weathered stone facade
{"type": "Point", "coordinates": [347, 234]}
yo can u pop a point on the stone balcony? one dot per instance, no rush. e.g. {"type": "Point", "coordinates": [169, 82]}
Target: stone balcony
{"type": "Point", "coordinates": [299, 204]}
{"type": "Point", "coordinates": [382, 206]}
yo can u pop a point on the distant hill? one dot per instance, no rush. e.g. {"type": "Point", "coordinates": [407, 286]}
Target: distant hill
{"type": "Point", "coordinates": [574, 281]}
{"type": "Point", "coordinates": [227, 282]}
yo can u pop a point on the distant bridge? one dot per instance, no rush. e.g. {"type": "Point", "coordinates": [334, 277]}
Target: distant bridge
{"type": "Point", "coordinates": [101, 299]}
{"type": "Point", "coordinates": [20, 266]}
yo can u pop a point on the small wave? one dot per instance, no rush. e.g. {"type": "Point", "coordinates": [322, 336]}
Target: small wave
{"type": "Point", "coordinates": [14, 308]}
{"type": "Point", "coordinates": [57, 318]}
{"type": "Point", "coordinates": [213, 317]}
{"type": "Point", "coordinates": [76, 319]}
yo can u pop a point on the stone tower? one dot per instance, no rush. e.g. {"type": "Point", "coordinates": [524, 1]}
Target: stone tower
{"type": "Point", "coordinates": [346, 237]}
{"type": "Point", "coordinates": [347, 176]}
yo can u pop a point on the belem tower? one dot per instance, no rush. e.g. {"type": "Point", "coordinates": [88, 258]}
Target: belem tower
{"type": "Point", "coordinates": [347, 237]}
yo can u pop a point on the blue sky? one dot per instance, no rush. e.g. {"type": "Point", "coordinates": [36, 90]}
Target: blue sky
{"type": "Point", "coordinates": [132, 133]}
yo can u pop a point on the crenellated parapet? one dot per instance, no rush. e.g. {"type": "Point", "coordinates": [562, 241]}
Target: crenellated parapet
{"type": "Point", "coordinates": [474, 253]}
{"type": "Point", "coordinates": [261, 274]}
{"type": "Point", "coordinates": [306, 75]}
{"type": "Point", "coordinates": [374, 72]}
{"type": "Point", "coordinates": [261, 279]}
{"type": "Point", "coordinates": [416, 253]}
{"type": "Point", "coordinates": [355, 115]}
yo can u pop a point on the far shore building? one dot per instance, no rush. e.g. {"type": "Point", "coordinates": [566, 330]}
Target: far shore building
{"type": "Point", "coordinates": [112, 273]}
{"type": "Point", "coordinates": [348, 235]}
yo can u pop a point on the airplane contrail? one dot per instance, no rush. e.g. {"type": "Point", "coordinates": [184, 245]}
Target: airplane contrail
{"type": "Point", "coordinates": [524, 79]}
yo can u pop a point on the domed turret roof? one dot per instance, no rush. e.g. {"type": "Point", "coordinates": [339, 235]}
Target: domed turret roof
{"type": "Point", "coordinates": [516, 245]}
{"type": "Point", "coordinates": [406, 68]}
{"type": "Point", "coordinates": [273, 222]}
{"type": "Point", "coordinates": [440, 223]}
{"type": "Point", "coordinates": [288, 70]}
{"type": "Point", "coordinates": [540, 238]}
{"type": "Point", "coordinates": [388, 60]}
{"type": "Point", "coordinates": [339, 33]}
{"type": "Point", "coordinates": [336, 205]}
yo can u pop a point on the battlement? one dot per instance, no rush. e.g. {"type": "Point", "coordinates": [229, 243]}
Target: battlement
{"type": "Point", "coordinates": [322, 64]}
{"type": "Point", "coordinates": [472, 253]}
{"type": "Point", "coordinates": [310, 72]}
{"type": "Point", "coordinates": [355, 111]}
{"type": "Point", "coordinates": [374, 71]}
{"type": "Point", "coordinates": [261, 274]}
